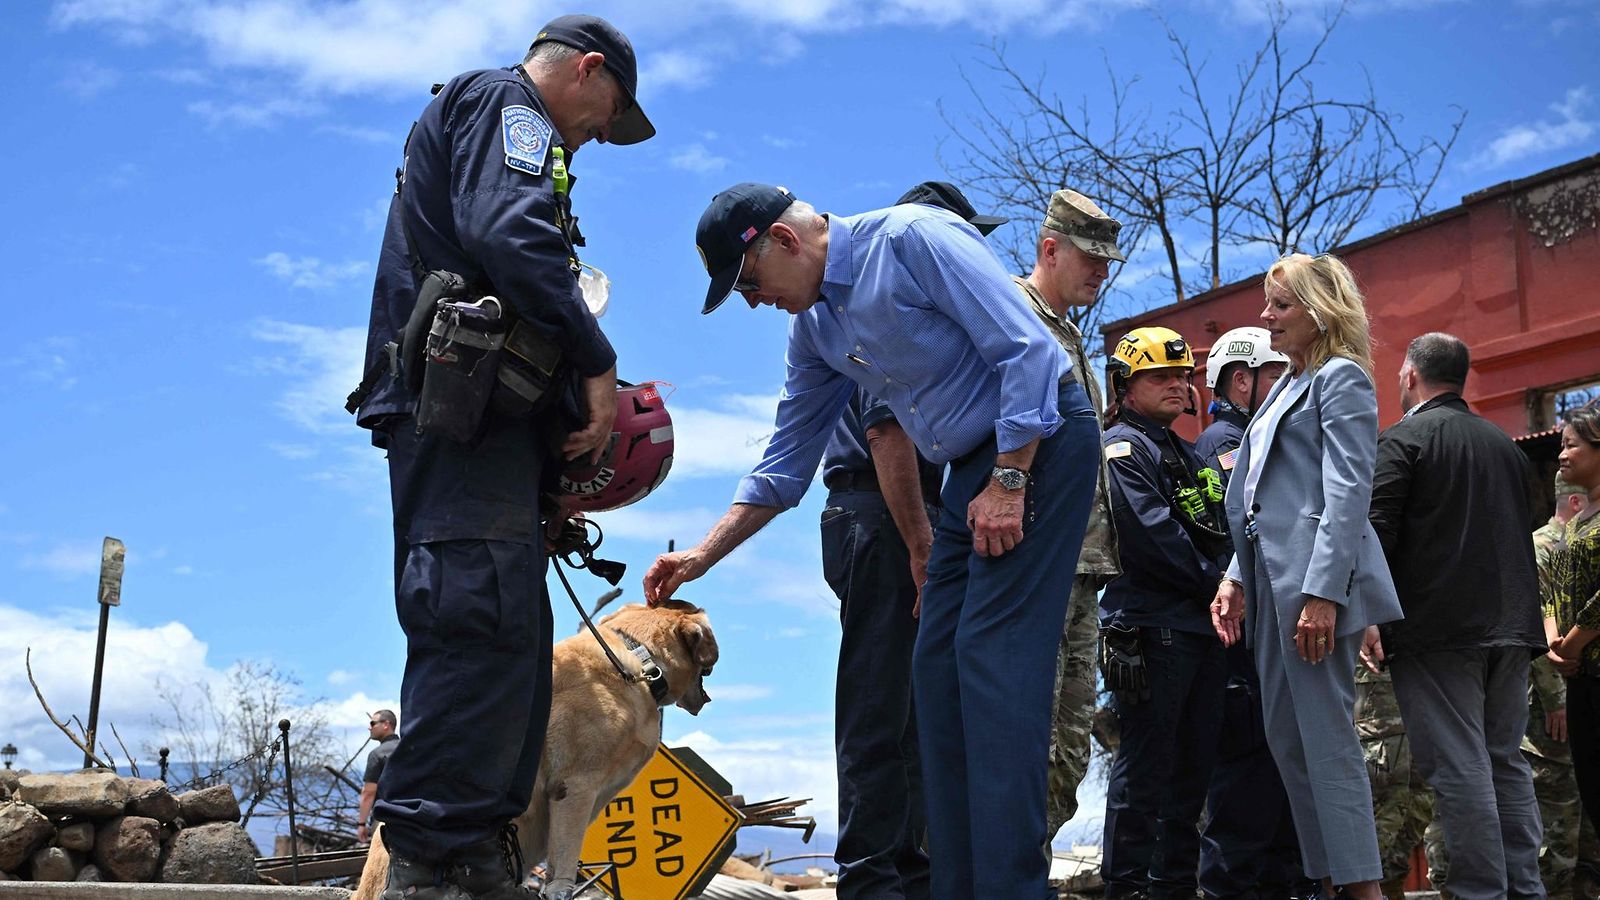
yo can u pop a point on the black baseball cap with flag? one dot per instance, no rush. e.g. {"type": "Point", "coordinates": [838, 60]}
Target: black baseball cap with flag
{"type": "Point", "coordinates": [592, 34]}
{"type": "Point", "coordinates": [947, 196]}
{"type": "Point", "coordinates": [735, 218]}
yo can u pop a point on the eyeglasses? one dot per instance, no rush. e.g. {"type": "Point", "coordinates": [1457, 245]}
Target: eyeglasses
{"type": "Point", "coordinates": [374, 723]}
{"type": "Point", "coordinates": [748, 283]}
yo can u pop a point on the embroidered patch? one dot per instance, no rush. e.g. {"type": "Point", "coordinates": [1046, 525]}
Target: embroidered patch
{"type": "Point", "coordinates": [526, 136]}
{"type": "Point", "coordinates": [1226, 460]}
{"type": "Point", "coordinates": [1119, 449]}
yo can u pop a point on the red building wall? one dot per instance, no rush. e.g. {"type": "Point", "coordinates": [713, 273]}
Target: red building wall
{"type": "Point", "coordinates": [1514, 271]}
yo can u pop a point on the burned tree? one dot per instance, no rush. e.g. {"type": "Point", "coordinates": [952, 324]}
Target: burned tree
{"type": "Point", "coordinates": [1264, 160]}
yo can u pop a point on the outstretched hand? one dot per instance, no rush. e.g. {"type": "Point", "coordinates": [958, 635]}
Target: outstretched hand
{"type": "Point", "coordinates": [668, 573]}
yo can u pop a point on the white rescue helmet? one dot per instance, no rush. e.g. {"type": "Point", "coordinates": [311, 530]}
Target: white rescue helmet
{"type": "Point", "coordinates": [1249, 345]}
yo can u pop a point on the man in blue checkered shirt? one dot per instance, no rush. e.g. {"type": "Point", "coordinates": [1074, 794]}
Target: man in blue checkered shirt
{"type": "Point", "coordinates": [912, 305]}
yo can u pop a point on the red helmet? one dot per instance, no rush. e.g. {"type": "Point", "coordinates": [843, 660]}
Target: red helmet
{"type": "Point", "coordinates": [636, 459]}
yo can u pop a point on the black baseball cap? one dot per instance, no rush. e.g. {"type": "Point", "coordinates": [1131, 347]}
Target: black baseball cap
{"type": "Point", "coordinates": [735, 218]}
{"type": "Point", "coordinates": [592, 34]}
{"type": "Point", "coordinates": [947, 196]}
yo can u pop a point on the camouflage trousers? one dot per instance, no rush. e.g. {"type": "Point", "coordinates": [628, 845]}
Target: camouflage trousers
{"type": "Point", "coordinates": [1566, 829]}
{"type": "Point", "coordinates": [1073, 716]}
{"type": "Point", "coordinates": [1402, 803]}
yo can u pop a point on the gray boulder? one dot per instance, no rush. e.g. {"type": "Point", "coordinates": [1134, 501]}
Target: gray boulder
{"type": "Point", "coordinates": [78, 837]}
{"type": "Point", "coordinates": [8, 782]}
{"type": "Point", "coordinates": [23, 830]}
{"type": "Point", "coordinates": [54, 864]}
{"type": "Point", "coordinates": [213, 804]}
{"type": "Point", "coordinates": [92, 793]}
{"type": "Point", "coordinates": [151, 799]}
{"type": "Point", "coordinates": [127, 848]}
{"type": "Point", "coordinates": [91, 872]}
{"type": "Point", "coordinates": [217, 853]}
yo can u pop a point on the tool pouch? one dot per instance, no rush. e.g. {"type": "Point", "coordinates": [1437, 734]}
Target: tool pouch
{"type": "Point", "coordinates": [461, 360]}
{"type": "Point", "coordinates": [1122, 663]}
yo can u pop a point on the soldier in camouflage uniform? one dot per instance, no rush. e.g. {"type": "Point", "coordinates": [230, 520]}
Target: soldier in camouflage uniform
{"type": "Point", "coordinates": [1402, 804]}
{"type": "Point", "coordinates": [1067, 273]}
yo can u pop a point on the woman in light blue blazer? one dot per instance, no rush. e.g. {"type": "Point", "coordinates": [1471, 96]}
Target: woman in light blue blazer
{"type": "Point", "coordinates": [1307, 566]}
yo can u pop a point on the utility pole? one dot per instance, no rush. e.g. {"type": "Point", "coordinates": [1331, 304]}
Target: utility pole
{"type": "Point", "coordinates": [112, 556]}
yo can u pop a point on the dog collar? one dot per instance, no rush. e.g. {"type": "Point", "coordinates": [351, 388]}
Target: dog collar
{"type": "Point", "coordinates": [649, 671]}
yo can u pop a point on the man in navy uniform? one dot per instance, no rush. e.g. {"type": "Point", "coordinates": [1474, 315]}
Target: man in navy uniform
{"type": "Point", "coordinates": [483, 193]}
{"type": "Point", "coordinates": [1248, 846]}
{"type": "Point", "coordinates": [1162, 660]}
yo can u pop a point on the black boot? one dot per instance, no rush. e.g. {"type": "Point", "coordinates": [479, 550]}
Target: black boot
{"type": "Point", "coordinates": [491, 869]}
{"type": "Point", "coordinates": [411, 880]}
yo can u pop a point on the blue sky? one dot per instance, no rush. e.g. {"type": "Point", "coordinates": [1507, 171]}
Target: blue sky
{"type": "Point", "coordinates": [195, 200]}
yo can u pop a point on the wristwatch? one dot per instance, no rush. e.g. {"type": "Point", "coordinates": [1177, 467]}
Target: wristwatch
{"type": "Point", "coordinates": [1009, 478]}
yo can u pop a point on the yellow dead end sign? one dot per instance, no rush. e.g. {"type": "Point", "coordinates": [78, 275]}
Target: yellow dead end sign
{"type": "Point", "coordinates": [665, 833]}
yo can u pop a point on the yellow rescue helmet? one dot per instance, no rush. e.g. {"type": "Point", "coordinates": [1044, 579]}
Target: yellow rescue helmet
{"type": "Point", "coordinates": [1143, 349]}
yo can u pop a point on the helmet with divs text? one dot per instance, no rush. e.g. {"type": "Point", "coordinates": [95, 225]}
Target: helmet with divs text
{"type": "Point", "coordinates": [1249, 345]}
{"type": "Point", "coordinates": [636, 459]}
{"type": "Point", "coordinates": [1144, 349]}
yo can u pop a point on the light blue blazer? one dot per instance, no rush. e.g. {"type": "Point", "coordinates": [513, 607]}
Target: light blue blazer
{"type": "Point", "coordinates": [1311, 504]}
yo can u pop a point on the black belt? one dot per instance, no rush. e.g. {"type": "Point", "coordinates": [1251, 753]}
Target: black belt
{"type": "Point", "coordinates": [862, 480]}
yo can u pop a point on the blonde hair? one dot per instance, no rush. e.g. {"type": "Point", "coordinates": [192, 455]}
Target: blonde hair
{"type": "Point", "coordinates": [1327, 289]}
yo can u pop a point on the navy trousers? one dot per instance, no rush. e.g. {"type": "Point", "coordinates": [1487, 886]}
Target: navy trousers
{"type": "Point", "coordinates": [984, 667]}
{"type": "Point", "coordinates": [882, 820]}
{"type": "Point", "coordinates": [1157, 784]}
{"type": "Point", "coordinates": [476, 692]}
{"type": "Point", "coordinates": [1248, 847]}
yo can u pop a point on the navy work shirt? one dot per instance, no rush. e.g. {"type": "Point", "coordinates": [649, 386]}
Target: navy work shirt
{"type": "Point", "coordinates": [849, 451]}
{"type": "Point", "coordinates": [1166, 581]}
{"type": "Point", "coordinates": [1216, 445]}
{"type": "Point", "coordinates": [480, 201]}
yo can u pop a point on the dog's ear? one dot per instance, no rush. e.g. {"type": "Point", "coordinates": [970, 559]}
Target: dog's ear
{"type": "Point", "coordinates": [701, 642]}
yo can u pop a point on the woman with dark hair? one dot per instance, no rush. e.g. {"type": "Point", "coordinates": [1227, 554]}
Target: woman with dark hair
{"type": "Point", "coordinates": [1573, 616]}
{"type": "Point", "coordinates": [1307, 562]}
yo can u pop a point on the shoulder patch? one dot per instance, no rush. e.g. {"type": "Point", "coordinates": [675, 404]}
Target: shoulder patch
{"type": "Point", "coordinates": [526, 136]}
{"type": "Point", "coordinates": [1227, 460]}
{"type": "Point", "coordinates": [1119, 449]}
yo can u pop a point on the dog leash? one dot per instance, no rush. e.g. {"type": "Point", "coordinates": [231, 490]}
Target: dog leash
{"type": "Point", "coordinates": [649, 671]}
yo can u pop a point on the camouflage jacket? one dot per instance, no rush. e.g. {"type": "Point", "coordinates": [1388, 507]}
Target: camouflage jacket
{"type": "Point", "coordinates": [1377, 711]}
{"type": "Point", "coordinates": [1547, 690]}
{"type": "Point", "coordinates": [1099, 554]}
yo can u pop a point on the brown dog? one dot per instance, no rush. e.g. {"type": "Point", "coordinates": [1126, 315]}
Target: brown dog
{"type": "Point", "coordinates": [602, 731]}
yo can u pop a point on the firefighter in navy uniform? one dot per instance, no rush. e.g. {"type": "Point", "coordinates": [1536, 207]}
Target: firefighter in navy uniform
{"type": "Point", "coordinates": [484, 193]}
{"type": "Point", "coordinates": [1159, 655]}
{"type": "Point", "coordinates": [1248, 847]}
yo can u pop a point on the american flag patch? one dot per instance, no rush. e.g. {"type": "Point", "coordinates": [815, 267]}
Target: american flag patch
{"type": "Point", "coordinates": [748, 234]}
{"type": "Point", "coordinates": [1226, 459]}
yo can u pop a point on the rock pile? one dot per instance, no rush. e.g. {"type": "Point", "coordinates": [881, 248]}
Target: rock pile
{"type": "Point", "coordinates": [96, 825]}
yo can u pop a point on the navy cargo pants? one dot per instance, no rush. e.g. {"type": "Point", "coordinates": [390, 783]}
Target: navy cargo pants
{"type": "Point", "coordinates": [1157, 784]}
{"type": "Point", "coordinates": [985, 663]}
{"type": "Point", "coordinates": [1248, 847]}
{"type": "Point", "coordinates": [882, 821]}
{"type": "Point", "coordinates": [475, 698]}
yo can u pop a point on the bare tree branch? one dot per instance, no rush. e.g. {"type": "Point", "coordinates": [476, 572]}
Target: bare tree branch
{"type": "Point", "coordinates": [78, 742]}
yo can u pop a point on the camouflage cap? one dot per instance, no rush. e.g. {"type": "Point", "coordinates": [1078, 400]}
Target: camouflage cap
{"type": "Point", "coordinates": [1565, 487]}
{"type": "Point", "coordinates": [1086, 224]}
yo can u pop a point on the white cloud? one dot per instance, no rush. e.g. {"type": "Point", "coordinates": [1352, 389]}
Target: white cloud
{"type": "Point", "coordinates": [339, 677]}
{"type": "Point", "coordinates": [183, 570]}
{"type": "Point", "coordinates": [674, 68]}
{"type": "Point", "coordinates": [257, 114]}
{"type": "Point", "coordinates": [780, 143]}
{"type": "Point", "coordinates": [321, 366]}
{"type": "Point", "coordinates": [697, 158]}
{"type": "Point", "coordinates": [787, 762]}
{"type": "Point", "coordinates": [360, 133]}
{"type": "Point", "coordinates": [1574, 124]}
{"type": "Point", "coordinates": [723, 441]}
{"type": "Point", "coordinates": [740, 693]}
{"type": "Point", "coordinates": [63, 647]}
{"type": "Point", "coordinates": [294, 451]}
{"type": "Point", "coordinates": [46, 362]}
{"type": "Point", "coordinates": [647, 522]}
{"type": "Point", "coordinates": [310, 272]}
{"type": "Point", "coordinates": [66, 560]}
